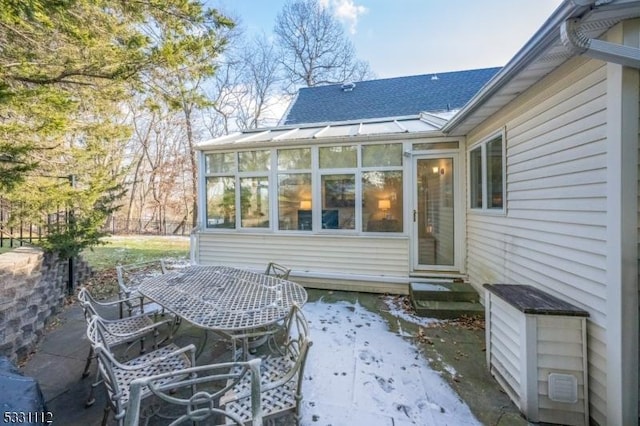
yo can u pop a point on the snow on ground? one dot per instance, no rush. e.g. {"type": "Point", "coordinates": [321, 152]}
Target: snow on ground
{"type": "Point", "coordinates": [360, 373]}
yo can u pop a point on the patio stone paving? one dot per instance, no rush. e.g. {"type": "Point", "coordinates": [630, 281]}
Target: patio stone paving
{"type": "Point", "coordinates": [367, 382]}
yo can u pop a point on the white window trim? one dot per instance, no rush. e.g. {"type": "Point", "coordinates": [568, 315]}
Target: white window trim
{"type": "Point", "coordinates": [316, 177]}
{"type": "Point", "coordinates": [483, 165]}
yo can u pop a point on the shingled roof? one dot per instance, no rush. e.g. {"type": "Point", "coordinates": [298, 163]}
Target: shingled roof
{"type": "Point", "coordinates": [389, 97]}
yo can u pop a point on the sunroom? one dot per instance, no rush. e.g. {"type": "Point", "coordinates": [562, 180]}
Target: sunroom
{"type": "Point", "coordinates": [366, 205]}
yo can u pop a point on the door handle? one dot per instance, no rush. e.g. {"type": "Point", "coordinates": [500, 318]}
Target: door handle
{"type": "Point", "coordinates": [415, 213]}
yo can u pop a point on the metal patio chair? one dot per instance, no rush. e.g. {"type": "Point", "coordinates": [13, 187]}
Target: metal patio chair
{"type": "Point", "coordinates": [196, 398]}
{"type": "Point", "coordinates": [118, 376]}
{"type": "Point", "coordinates": [277, 270]}
{"type": "Point", "coordinates": [129, 278]}
{"type": "Point", "coordinates": [125, 331]}
{"type": "Point", "coordinates": [281, 374]}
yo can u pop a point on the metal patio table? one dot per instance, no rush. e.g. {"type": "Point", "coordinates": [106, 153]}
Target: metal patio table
{"type": "Point", "coordinates": [222, 299]}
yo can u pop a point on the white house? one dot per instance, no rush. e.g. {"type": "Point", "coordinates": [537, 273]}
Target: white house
{"type": "Point", "coordinates": [526, 174]}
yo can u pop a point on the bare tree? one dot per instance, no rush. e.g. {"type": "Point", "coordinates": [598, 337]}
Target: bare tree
{"type": "Point", "coordinates": [245, 89]}
{"type": "Point", "coordinates": [260, 75]}
{"type": "Point", "coordinates": [314, 47]}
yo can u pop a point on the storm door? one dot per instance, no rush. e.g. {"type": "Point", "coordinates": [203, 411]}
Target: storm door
{"type": "Point", "coordinates": [434, 213]}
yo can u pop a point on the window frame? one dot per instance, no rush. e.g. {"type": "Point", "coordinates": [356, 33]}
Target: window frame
{"type": "Point", "coordinates": [316, 173]}
{"type": "Point", "coordinates": [482, 145]}
{"type": "Point", "coordinates": [232, 174]}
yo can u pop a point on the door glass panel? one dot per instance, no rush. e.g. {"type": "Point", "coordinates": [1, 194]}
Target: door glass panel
{"type": "Point", "coordinates": [435, 218]}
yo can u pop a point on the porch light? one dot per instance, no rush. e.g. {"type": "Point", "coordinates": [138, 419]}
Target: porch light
{"type": "Point", "coordinates": [305, 205]}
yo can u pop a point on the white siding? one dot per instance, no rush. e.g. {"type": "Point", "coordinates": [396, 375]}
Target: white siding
{"type": "Point", "coordinates": [310, 255]}
{"type": "Point", "coordinates": [504, 348]}
{"type": "Point", "coordinates": [560, 349]}
{"type": "Point", "coordinates": [554, 232]}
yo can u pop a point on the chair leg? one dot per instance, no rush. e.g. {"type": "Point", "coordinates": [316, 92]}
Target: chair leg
{"type": "Point", "coordinates": [105, 416]}
{"type": "Point", "coordinates": [91, 398]}
{"type": "Point", "coordinates": [85, 373]}
{"type": "Point", "coordinates": [142, 349]}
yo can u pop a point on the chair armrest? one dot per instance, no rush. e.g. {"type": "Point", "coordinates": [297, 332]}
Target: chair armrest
{"type": "Point", "coordinates": [267, 331]}
{"type": "Point", "coordinates": [118, 302]}
{"type": "Point", "coordinates": [206, 401]}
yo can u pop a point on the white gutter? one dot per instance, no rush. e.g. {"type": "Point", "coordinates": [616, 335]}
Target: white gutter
{"type": "Point", "coordinates": [540, 41]}
{"type": "Point", "coordinates": [577, 42]}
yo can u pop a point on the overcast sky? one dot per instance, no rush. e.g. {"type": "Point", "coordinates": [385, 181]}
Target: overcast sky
{"type": "Point", "coordinates": [409, 37]}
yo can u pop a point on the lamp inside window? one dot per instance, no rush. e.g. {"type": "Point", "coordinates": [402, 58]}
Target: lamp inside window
{"type": "Point", "coordinates": [305, 205]}
{"type": "Point", "coordinates": [385, 206]}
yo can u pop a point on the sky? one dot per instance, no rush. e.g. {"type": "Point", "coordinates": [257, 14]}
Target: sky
{"type": "Point", "coordinates": [359, 373]}
{"type": "Point", "coordinates": [411, 37]}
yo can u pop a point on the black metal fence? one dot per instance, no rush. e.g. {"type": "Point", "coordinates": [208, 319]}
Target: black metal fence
{"type": "Point", "coordinates": [146, 226]}
{"type": "Point", "coordinates": [17, 233]}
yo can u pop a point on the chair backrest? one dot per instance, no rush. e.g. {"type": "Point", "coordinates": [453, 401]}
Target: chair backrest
{"type": "Point", "coordinates": [277, 270]}
{"type": "Point", "coordinates": [96, 332]}
{"type": "Point", "coordinates": [197, 398]}
{"type": "Point", "coordinates": [295, 347]}
{"type": "Point", "coordinates": [88, 303]}
{"type": "Point", "coordinates": [131, 275]}
{"type": "Point", "coordinates": [297, 329]}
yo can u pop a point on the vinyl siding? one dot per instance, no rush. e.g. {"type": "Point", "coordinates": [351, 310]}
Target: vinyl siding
{"type": "Point", "coordinates": [560, 349]}
{"type": "Point", "coordinates": [504, 341]}
{"type": "Point", "coordinates": [553, 235]}
{"type": "Point", "coordinates": [344, 256]}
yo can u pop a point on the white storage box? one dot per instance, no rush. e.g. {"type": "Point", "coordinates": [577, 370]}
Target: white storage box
{"type": "Point", "coordinates": [537, 351]}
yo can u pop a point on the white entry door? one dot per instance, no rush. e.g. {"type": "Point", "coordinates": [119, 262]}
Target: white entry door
{"type": "Point", "coordinates": [435, 215]}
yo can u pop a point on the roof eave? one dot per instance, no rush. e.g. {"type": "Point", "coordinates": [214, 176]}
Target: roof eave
{"type": "Point", "coordinates": [391, 137]}
{"type": "Point", "coordinates": [540, 42]}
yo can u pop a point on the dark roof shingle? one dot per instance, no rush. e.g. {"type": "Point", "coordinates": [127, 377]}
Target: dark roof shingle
{"type": "Point", "coordinates": [389, 97]}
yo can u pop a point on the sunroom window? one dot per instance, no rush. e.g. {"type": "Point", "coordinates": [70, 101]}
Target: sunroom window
{"type": "Point", "coordinates": [221, 190]}
{"type": "Point", "coordinates": [253, 170]}
{"type": "Point", "coordinates": [486, 175]}
{"type": "Point", "coordinates": [294, 189]}
{"type": "Point", "coordinates": [341, 188]}
{"type": "Point", "coordinates": [382, 201]}
{"type": "Point", "coordinates": [338, 201]}
{"type": "Point", "coordinates": [254, 202]}
{"type": "Point", "coordinates": [338, 167]}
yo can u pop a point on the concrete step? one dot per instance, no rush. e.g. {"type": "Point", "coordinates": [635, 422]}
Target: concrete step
{"type": "Point", "coordinates": [443, 291]}
{"type": "Point", "coordinates": [447, 309]}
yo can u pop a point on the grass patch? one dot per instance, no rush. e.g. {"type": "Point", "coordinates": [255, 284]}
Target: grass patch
{"type": "Point", "coordinates": [135, 249]}
{"type": "Point", "coordinates": [5, 245]}
{"type": "Point", "coordinates": [126, 250]}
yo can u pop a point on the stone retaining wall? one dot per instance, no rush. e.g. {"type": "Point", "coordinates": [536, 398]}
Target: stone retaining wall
{"type": "Point", "coordinates": [33, 286]}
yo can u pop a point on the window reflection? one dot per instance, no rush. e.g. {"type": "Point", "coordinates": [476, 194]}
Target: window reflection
{"type": "Point", "coordinates": [382, 201]}
{"type": "Point", "coordinates": [294, 201]}
{"type": "Point", "coordinates": [293, 159]}
{"type": "Point", "coordinates": [338, 201]}
{"type": "Point", "coordinates": [382, 155]}
{"type": "Point", "coordinates": [254, 161]}
{"type": "Point", "coordinates": [475, 176]}
{"type": "Point", "coordinates": [222, 162]}
{"type": "Point", "coordinates": [254, 202]}
{"type": "Point", "coordinates": [494, 173]}
{"type": "Point", "coordinates": [338, 157]}
{"type": "Point", "coordinates": [221, 202]}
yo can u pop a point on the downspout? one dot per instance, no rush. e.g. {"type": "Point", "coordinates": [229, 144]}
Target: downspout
{"type": "Point", "coordinates": [577, 42]}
